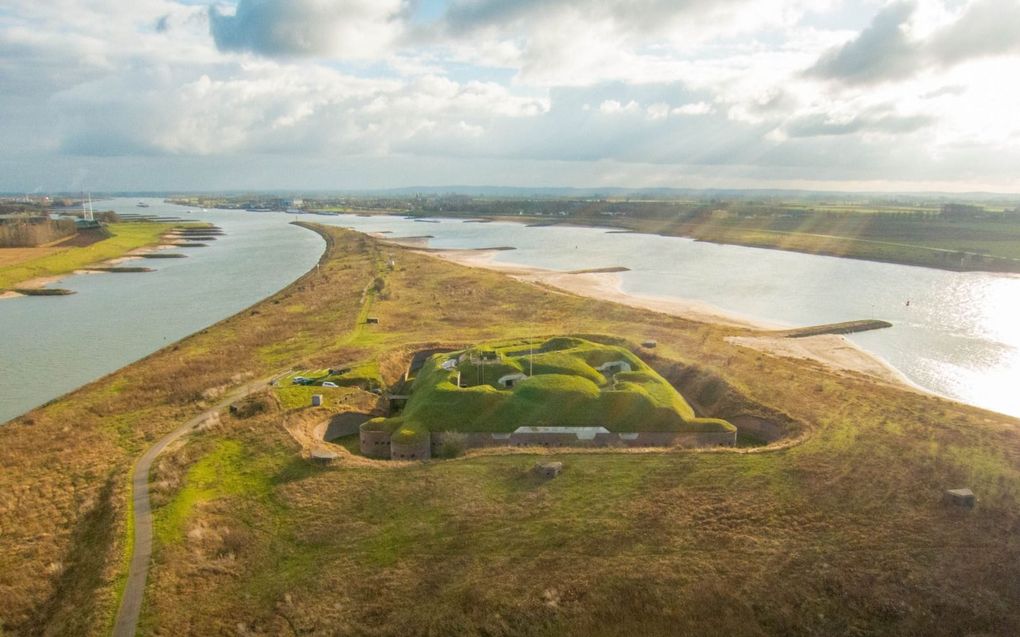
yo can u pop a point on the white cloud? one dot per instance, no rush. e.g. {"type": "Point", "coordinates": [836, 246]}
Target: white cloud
{"type": "Point", "coordinates": [612, 107]}
{"type": "Point", "coordinates": [685, 86]}
{"type": "Point", "coordinates": [271, 107]}
{"type": "Point", "coordinates": [658, 110]}
{"type": "Point", "coordinates": [348, 28]}
{"type": "Point", "coordinates": [694, 108]}
{"type": "Point", "coordinates": [908, 37]}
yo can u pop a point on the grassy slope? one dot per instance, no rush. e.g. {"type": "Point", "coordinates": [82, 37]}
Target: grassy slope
{"type": "Point", "coordinates": [842, 534]}
{"type": "Point", "coordinates": [126, 237]}
{"type": "Point", "coordinates": [365, 375]}
{"type": "Point", "coordinates": [566, 390]}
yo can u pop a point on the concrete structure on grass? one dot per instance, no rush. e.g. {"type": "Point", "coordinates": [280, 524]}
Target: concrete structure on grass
{"type": "Point", "coordinates": [420, 448]}
{"type": "Point", "coordinates": [547, 470]}
{"type": "Point", "coordinates": [960, 497]}
{"type": "Point", "coordinates": [374, 444]}
{"type": "Point", "coordinates": [614, 367]}
{"type": "Point", "coordinates": [323, 456]}
{"type": "Point", "coordinates": [378, 444]}
{"type": "Point", "coordinates": [508, 381]}
{"type": "Point", "coordinates": [585, 437]}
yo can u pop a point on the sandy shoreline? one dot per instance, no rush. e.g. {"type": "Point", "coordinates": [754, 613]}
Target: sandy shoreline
{"type": "Point", "coordinates": [605, 285]}
{"type": "Point", "coordinates": [833, 351]}
{"type": "Point", "coordinates": [33, 284]}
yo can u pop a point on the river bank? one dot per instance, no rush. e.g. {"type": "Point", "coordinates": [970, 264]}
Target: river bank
{"type": "Point", "coordinates": [980, 253]}
{"type": "Point", "coordinates": [127, 240]}
{"type": "Point", "coordinates": [52, 346]}
{"type": "Point", "coordinates": [832, 350]}
{"type": "Point", "coordinates": [949, 338]}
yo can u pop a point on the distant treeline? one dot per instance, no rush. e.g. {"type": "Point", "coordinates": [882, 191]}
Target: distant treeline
{"type": "Point", "coordinates": [699, 210]}
{"type": "Point", "coordinates": [599, 208]}
{"type": "Point", "coordinates": [35, 232]}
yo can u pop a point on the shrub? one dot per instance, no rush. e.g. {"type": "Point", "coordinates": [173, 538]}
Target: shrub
{"type": "Point", "coordinates": [29, 234]}
{"type": "Point", "coordinates": [252, 406]}
{"type": "Point", "coordinates": [454, 444]}
{"type": "Point", "coordinates": [408, 433]}
{"type": "Point", "coordinates": [561, 343]}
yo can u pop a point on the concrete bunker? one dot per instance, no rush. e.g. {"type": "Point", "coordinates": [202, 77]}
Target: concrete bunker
{"type": "Point", "coordinates": [508, 381]}
{"type": "Point", "coordinates": [614, 367]}
{"type": "Point", "coordinates": [420, 448]}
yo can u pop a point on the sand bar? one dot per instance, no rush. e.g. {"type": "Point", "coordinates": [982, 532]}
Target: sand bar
{"type": "Point", "coordinates": [605, 285]}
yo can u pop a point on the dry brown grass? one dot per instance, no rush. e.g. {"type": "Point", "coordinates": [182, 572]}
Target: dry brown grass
{"type": "Point", "coordinates": [70, 459]}
{"type": "Point", "coordinates": [619, 544]}
{"type": "Point", "coordinates": [12, 256]}
{"type": "Point", "coordinates": [842, 534]}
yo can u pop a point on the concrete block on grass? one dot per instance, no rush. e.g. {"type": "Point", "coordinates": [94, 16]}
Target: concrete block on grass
{"type": "Point", "coordinates": [960, 497]}
{"type": "Point", "coordinates": [548, 470]}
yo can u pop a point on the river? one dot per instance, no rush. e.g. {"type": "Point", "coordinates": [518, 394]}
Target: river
{"type": "Point", "coordinates": [957, 336]}
{"type": "Point", "coordinates": [52, 345]}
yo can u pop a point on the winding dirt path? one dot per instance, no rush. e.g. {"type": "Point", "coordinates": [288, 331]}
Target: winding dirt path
{"type": "Point", "coordinates": [134, 590]}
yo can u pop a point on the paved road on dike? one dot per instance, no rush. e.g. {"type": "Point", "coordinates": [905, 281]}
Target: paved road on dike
{"type": "Point", "coordinates": [134, 590]}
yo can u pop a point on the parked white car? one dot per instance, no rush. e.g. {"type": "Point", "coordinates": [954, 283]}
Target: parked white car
{"type": "Point", "coordinates": [329, 384]}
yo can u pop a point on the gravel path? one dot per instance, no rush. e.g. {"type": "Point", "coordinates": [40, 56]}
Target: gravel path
{"type": "Point", "coordinates": [134, 590]}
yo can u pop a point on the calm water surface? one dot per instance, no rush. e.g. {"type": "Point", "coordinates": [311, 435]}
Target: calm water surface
{"type": "Point", "coordinates": [51, 345]}
{"type": "Point", "coordinates": [958, 336]}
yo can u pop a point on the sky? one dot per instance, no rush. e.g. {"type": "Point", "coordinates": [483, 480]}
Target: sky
{"type": "Point", "coordinates": [909, 95]}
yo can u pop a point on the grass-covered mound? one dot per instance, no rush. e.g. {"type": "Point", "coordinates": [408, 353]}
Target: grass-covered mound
{"type": "Point", "coordinates": [565, 383]}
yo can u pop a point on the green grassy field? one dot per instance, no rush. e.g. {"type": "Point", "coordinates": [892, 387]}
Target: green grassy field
{"type": "Point", "coordinates": [841, 534]}
{"type": "Point", "coordinates": [125, 237]}
{"type": "Point", "coordinates": [365, 375]}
